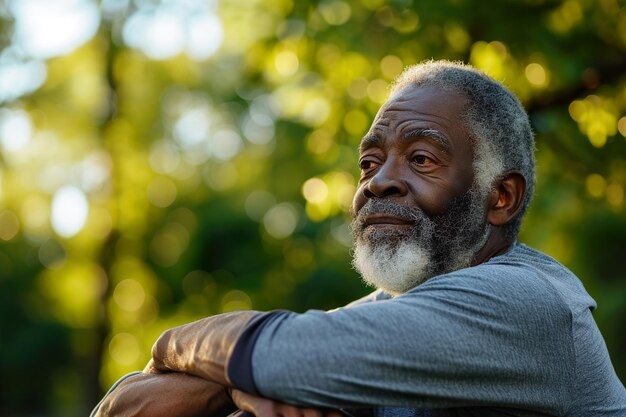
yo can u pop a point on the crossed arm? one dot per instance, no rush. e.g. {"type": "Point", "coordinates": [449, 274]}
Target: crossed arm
{"type": "Point", "coordinates": [187, 378]}
{"type": "Point", "coordinates": [181, 395]}
{"type": "Point", "coordinates": [425, 349]}
{"type": "Point", "coordinates": [174, 382]}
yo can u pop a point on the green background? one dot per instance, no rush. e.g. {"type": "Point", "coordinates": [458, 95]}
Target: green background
{"type": "Point", "coordinates": [224, 183]}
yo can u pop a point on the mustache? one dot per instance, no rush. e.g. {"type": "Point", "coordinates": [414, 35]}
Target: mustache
{"type": "Point", "coordinates": [383, 206]}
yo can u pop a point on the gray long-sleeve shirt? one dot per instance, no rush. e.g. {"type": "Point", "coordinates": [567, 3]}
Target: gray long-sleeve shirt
{"type": "Point", "coordinates": [513, 336]}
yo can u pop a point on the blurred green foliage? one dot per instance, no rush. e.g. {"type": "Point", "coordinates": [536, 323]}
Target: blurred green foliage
{"type": "Point", "coordinates": [225, 182]}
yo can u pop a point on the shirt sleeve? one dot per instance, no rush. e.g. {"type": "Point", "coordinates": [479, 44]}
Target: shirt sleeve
{"type": "Point", "coordinates": [377, 295]}
{"type": "Point", "coordinates": [480, 336]}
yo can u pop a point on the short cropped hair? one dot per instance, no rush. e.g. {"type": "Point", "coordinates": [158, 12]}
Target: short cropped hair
{"type": "Point", "coordinates": [495, 119]}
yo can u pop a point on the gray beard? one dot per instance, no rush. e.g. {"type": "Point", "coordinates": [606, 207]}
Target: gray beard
{"type": "Point", "coordinates": [399, 260]}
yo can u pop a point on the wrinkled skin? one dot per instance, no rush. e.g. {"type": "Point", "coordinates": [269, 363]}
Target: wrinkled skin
{"type": "Point", "coordinates": [165, 395]}
{"type": "Point", "coordinates": [418, 154]}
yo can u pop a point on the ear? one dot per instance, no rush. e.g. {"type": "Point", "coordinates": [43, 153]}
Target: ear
{"type": "Point", "coordinates": [506, 198]}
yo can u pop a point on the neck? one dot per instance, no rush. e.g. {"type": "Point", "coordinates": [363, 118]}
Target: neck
{"type": "Point", "coordinates": [497, 243]}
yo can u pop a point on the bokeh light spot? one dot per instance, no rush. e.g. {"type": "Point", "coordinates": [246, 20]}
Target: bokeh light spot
{"type": "Point", "coordinates": [320, 141]}
{"type": "Point", "coordinates": [19, 75]}
{"type": "Point", "coordinates": [316, 111]}
{"type": "Point", "coordinates": [124, 349]}
{"type": "Point", "coordinates": [204, 37]}
{"type": "Point", "coordinates": [621, 126]}
{"type": "Point", "coordinates": [457, 37]}
{"type": "Point", "coordinates": [52, 254]}
{"type": "Point", "coordinates": [73, 289]}
{"type": "Point", "coordinates": [281, 220]}
{"type": "Point", "coordinates": [162, 191]}
{"type": "Point", "coordinates": [335, 12]}
{"type": "Point", "coordinates": [50, 28]}
{"type": "Point", "coordinates": [9, 225]}
{"type": "Point", "coordinates": [258, 128]}
{"type": "Point", "coordinates": [16, 129]}
{"type": "Point", "coordinates": [377, 91]}
{"type": "Point", "coordinates": [597, 118]}
{"type": "Point", "coordinates": [373, 4]}
{"type": "Point", "coordinates": [615, 195]}
{"type": "Point", "coordinates": [536, 74]}
{"type": "Point", "coordinates": [159, 34]}
{"type": "Point", "coordinates": [129, 294]}
{"type": "Point", "coordinates": [577, 110]}
{"type": "Point", "coordinates": [164, 157]}
{"type": "Point", "coordinates": [566, 16]}
{"type": "Point", "coordinates": [225, 144]}
{"type": "Point", "coordinates": [391, 66]}
{"type": "Point", "coordinates": [596, 185]}
{"type": "Point", "coordinates": [236, 300]}
{"type": "Point", "coordinates": [358, 88]}
{"type": "Point", "coordinates": [34, 213]}
{"type": "Point", "coordinates": [192, 127]}
{"type": "Point", "coordinates": [69, 211]}
{"type": "Point", "coordinates": [406, 21]}
{"type": "Point", "coordinates": [221, 177]}
{"type": "Point", "coordinates": [315, 190]}
{"type": "Point", "coordinates": [257, 203]}
{"type": "Point", "coordinates": [286, 63]}
{"type": "Point", "coordinates": [489, 57]}
{"type": "Point", "coordinates": [355, 122]}
{"type": "Point", "coordinates": [165, 249]}
{"type": "Point", "coordinates": [597, 134]}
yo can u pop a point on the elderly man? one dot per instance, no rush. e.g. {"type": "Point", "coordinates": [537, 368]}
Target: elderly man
{"type": "Point", "coordinates": [466, 321]}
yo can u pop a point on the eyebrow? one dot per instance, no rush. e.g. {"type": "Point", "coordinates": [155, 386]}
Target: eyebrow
{"type": "Point", "coordinates": [370, 140]}
{"type": "Point", "coordinates": [434, 134]}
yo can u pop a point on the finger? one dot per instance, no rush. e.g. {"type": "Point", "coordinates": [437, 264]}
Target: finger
{"type": "Point", "coordinates": [150, 368]}
{"type": "Point", "coordinates": [287, 410]}
{"type": "Point", "coordinates": [235, 395]}
{"type": "Point", "coordinates": [258, 406]}
{"type": "Point", "coordinates": [312, 412]}
{"type": "Point", "coordinates": [243, 400]}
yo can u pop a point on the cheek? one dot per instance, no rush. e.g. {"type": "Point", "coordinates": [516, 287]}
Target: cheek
{"type": "Point", "coordinates": [434, 199]}
{"type": "Point", "coordinates": [435, 196]}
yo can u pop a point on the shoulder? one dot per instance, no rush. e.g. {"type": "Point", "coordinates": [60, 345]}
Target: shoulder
{"type": "Point", "coordinates": [523, 283]}
{"type": "Point", "coordinates": [377, 295]}
{"type": "Point", "coordinates": [522, 269]}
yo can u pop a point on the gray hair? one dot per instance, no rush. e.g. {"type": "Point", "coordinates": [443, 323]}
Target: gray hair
{"type": "Point", "coordinates": [497, 123]}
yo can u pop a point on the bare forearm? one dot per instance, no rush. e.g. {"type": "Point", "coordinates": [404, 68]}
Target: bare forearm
{"type": "Point", "coordinates": [201, 348]}
{"type": "Point", "coordinates": [166, 395]}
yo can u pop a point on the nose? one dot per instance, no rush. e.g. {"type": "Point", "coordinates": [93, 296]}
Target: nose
{"type": "Point", "coordinates": [386, 182]}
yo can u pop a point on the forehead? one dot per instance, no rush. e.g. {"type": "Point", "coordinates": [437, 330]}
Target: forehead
{"type": "Point", "coordinates": [429, 108]}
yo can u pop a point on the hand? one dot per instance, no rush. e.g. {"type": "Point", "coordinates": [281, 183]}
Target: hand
{"type": "Point", "coordinates": [164, 395]}
{"type": "Point", "coordinates": [263, 407]}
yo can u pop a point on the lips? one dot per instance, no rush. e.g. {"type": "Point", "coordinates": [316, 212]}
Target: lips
{"type": "Point", "coordinates": [381, 219]}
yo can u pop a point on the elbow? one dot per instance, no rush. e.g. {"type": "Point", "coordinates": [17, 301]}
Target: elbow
{"type": "Point", "coordinates": [159, 352]}
{"type": "Point", "coordinates": [108, 407]}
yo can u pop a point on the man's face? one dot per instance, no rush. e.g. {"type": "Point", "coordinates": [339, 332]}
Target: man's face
{"type": "Point", "coordinates": [417, 213]}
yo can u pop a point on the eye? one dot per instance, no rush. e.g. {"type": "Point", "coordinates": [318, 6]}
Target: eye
{"type": "Point", "coordinates": [423, 161]}
{"type": "Point", "coordinates": [367, 165]}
